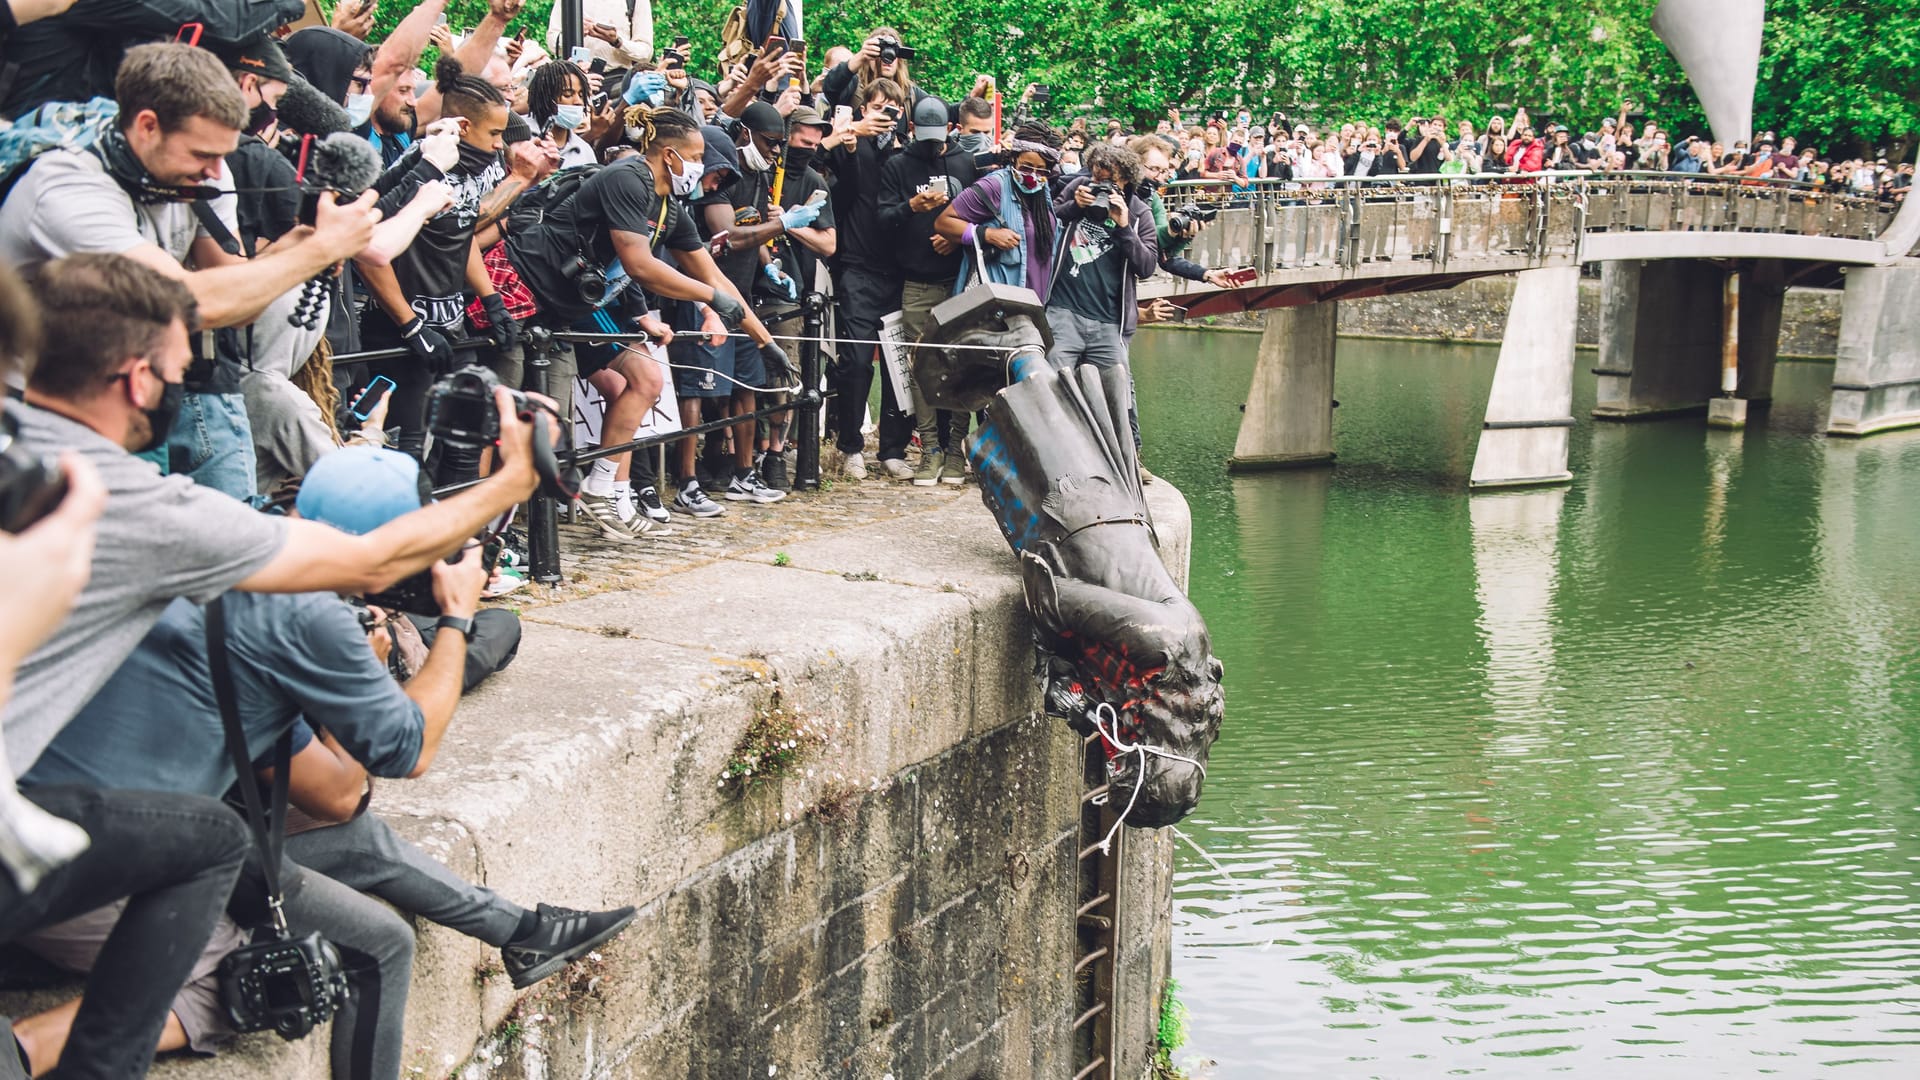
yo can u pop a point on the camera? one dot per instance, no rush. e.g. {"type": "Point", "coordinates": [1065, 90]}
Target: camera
{"type": "Point", "coordinates": [288, 986]}
{"type": "Point", "coordinates": [30, 485]}
{"type": "Point", "coordinates": [587, 277]}
{"type": "Point", "coordinates": [1189, 219]}
{"type": "Point", "coordinates": [891, 50]}
{"type": "Point", "coordinates": [1102, 196]}
{"type": "Point", "coordinates": [460, 409]}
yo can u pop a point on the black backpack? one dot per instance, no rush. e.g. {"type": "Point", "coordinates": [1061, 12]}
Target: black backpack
{"type": "Point", "coordinates": [533, 206]}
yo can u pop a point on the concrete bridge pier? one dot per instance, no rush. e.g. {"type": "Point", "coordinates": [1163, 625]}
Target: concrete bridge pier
{"type": "Point", "coordinates": [1288, 419]}
{"type": "Point", "coordinates": [1876, 374]}
{"type": "Point", "coordinates": [1667, 346]}
{"type": "Point", "coordinates": [1530, 410]}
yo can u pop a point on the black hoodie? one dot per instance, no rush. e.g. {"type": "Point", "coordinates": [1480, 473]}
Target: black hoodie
{"type": "Point", "coordinates": [924, 166]}
{"type": "Point", "coordinates": [327, 57]}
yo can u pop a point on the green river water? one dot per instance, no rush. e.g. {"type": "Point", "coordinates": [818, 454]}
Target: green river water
{"type": "Point", "coordinates": [1620, 779]}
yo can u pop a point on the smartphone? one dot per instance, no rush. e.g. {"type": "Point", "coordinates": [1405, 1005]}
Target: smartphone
{"type": "Point", "coordinates": [1179, 313]}
{"type": "Point", "coordinates": [681, 41]}
{"type": "Point", "coordinates": [776, 46]}
{"type": "Point", "coordinates": [797, 46]}
{"type": "Point", "coordinates": [597, 102]}
{"type": "Point", "coordinates": [1042, 92]}
{"type": "Point", "coordinates": [672, 61]}
{"type": "Point", "coordinates": [842, 115]}
{"type": "Point", "coordinates": [598, 66]}
{"type": "Point", "coordinates": [580, 55]}
{"type": "Point", "coordinates": [442, 20]}
{"type": "Point", "coordinates": [521, 37]}
{"type": "Point", "coordinates": [363, 403]}
{"type": "Point", "coordinates": [892, 111]}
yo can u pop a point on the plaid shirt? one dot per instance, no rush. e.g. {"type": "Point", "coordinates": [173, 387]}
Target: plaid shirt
{"type": "Point", "coordinates": [506, 281]}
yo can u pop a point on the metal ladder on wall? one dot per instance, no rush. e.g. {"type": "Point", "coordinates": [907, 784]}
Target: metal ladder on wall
{"type": "Point", "coordinates": [1097, 921]}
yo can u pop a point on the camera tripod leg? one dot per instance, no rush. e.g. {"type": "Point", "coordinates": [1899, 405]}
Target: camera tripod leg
{"type": "Point", "coordinates": [543, 514]}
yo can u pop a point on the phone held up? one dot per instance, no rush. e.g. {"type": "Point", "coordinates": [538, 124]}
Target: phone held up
{"type": "Point", "coordinates": [365, 402]}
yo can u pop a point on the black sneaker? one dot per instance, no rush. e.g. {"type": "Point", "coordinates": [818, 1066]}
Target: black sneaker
{"type": "Point", "coordinates": [774, 472]}
{"type": "Point", "coordinates": [561, 937]}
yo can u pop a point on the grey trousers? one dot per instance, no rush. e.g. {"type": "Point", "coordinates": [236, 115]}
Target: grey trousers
{"type": "Point", "coordinates": [376, 946]}
{"type": "Point", "coordinates": [1079, 340]}
{"type": "Point", "coordinates": [366, 854]}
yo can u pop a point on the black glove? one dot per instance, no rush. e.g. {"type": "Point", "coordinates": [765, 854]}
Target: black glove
{"type": "Point", "coordinates": [774, 358]}
{"type": "Point", "coordinates": [500, 325]}
{"type": "Point", "coordinates": [429, 345]}
{"type": "Point", "coordinates": [730, 310]}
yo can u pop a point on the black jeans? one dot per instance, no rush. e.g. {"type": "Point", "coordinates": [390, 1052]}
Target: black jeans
{"type": "Point", "coordinates": [176, 857]}
{"type": "Point", "coordinates": [407, 408]}
{"type": "Point", "coordinates": [864, 298]}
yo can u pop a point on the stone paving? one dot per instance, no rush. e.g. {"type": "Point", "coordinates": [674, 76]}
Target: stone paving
{"type": "Point", "coordinates": [593, 564]}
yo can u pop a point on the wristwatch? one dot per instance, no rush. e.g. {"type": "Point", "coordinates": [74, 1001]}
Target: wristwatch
{"type": "Point", "coordinates": [455, 622]}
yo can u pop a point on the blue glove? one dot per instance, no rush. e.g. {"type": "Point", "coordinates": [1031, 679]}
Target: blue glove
{"type": "Point", "coordinates": [783, 281]}
{"type": "Point", "coordinates": [799, 217]}
{"type": "Point", "coordinates": [647, 86]}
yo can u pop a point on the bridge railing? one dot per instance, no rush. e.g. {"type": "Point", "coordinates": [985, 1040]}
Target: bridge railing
{"type": "Point", "coordinates": [1454, 222]}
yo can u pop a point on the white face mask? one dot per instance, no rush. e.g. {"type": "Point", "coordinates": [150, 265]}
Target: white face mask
{"type": "Point", "coordinates": [687, 180]}
{"type": "Point", "coordinates": [359, 108]}
{"type": "Point", "coordinates": [753, 159]}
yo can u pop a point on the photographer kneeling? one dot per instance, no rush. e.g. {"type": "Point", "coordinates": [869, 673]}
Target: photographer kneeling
{"type": "Point", "coordinates": [308, 657]}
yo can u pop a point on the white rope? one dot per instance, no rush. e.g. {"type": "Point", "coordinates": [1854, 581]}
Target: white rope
{"type": "Point", "coordinates": [1113, 740]}
{"type": "Point", "coordinates": [601, 339]}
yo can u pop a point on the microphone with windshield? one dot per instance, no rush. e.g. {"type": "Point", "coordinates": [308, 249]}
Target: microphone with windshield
{"type": "Point", "coordinates": [341, 163]}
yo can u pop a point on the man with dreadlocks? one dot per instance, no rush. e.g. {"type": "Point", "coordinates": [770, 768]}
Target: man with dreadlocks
{"type": "Point", "coordinates": [617, 218]}
{"type": "Point", "coordinates": [418, 301]}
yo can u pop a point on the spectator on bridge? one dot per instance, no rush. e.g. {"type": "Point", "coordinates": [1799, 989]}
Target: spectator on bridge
{"type": "Point", "coordinates": [1695, 156]}
{"type": "Point", "coordinates": [1370, 160]}
{"type": "Point", "coordinates": [1495, 159]}
{"type": "Point", "coordinates": [1526, 154]}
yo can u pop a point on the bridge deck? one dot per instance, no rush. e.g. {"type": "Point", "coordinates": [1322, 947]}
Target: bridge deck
{"type": "Point", "coordinates": [1376, 235]}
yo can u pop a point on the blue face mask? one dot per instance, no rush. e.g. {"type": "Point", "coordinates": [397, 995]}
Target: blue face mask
{"type": "Point", "coordinates": [569, 116]}
{"type": "Point", "coordinates": [973, 141]}
{"type": "Point", "coordinates": [359, 108]}
{"type": "Point", "coordinates": [1069, 170]}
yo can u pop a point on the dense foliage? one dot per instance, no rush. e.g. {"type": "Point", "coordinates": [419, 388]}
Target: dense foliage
{"type": "Point", "coordinates": [1845, 73]}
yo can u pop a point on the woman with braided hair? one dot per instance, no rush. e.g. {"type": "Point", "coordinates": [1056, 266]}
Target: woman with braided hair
{"type": "Point", "coordinates": [1008, 213]}
{"type": "Point", "coordinates": [613, 226]}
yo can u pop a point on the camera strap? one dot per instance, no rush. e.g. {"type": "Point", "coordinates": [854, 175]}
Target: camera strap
{"type": "Point", "coordinates": [269, 823]}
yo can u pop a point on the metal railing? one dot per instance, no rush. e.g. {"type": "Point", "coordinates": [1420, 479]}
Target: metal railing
{"type": "Point", "coordinates": [543, 519]}
{"type": "Point", "coordinates": [1338, 225]}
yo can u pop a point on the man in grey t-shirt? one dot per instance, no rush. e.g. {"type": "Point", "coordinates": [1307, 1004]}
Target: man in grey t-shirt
{"type": "Point", "coordinates": [116, 343]}
{"type": "Point", "coordinates": [135, 191]}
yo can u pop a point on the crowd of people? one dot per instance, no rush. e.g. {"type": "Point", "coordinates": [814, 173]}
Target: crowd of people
{"type": "Point", "coordinates": [241, 281]}
{"type": "Point", "coordinates": [1236, 150]}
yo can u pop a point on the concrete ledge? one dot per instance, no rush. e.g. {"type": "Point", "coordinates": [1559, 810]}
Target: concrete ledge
{"type": "Point", "coordinates": [900, 902]}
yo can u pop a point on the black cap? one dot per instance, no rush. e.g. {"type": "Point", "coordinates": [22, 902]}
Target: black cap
{"type": "Point", "coordinates": [517, 129]}
{"type": "Point", "coordinates": [763, 119]}
{"type": "Point", "coordinates": [260, 56]}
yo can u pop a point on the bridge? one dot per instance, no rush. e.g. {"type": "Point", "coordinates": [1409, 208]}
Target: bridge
{"type": "Point", "coordinates": [1693, 269]}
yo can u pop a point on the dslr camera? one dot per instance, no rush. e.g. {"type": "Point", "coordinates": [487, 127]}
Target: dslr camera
{"type": "Point", "coordinates": [460, 409]}
{"type": "Point", "coordinates": [891, 49]}
{"type": "Point", "coordinates": [288, 986]}
{"type": "Point", "coordinates": [587, 277]}
{"type": "Point", "coordinates": [1102, 193]}
{"type": "Point", "coordinates": [1188, 220]}
{"type": "Point", "coordinates": [30, 485]}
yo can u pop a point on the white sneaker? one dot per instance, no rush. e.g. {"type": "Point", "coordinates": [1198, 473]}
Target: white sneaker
{"type": "Point", "coordinates": [854, 468]}
{"type": "Point", "coordinates": [692, 500]}
{"type": "Point", "coordinates": [897, 469]}
{"type": "Point", "coordinates": [647, 501]}
{"type": "Point", "coordinates": [750, 488]}
{"type": "Point", "coordinates": [603, 512]}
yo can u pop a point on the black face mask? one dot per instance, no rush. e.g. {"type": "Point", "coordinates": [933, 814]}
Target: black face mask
{"type": "Point", "coordinates": [798, 159]}
{"type": "Point", "coordinates": [117, 156]}
{"type": "Point", "coordinates": [160, 417]}
{"type": "Point", "coordinates": [474, 160]}
{"type": "Point", "coordinates": [261, 118]}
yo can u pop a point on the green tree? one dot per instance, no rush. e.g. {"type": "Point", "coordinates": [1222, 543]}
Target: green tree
{"type": "Point", "coordinates": [1844, 73]}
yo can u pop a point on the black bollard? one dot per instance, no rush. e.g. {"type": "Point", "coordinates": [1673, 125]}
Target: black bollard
{"type": "Point", "coordinates": [543, 517]}
{"type": "Point", "coordinates": [806, 454]}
